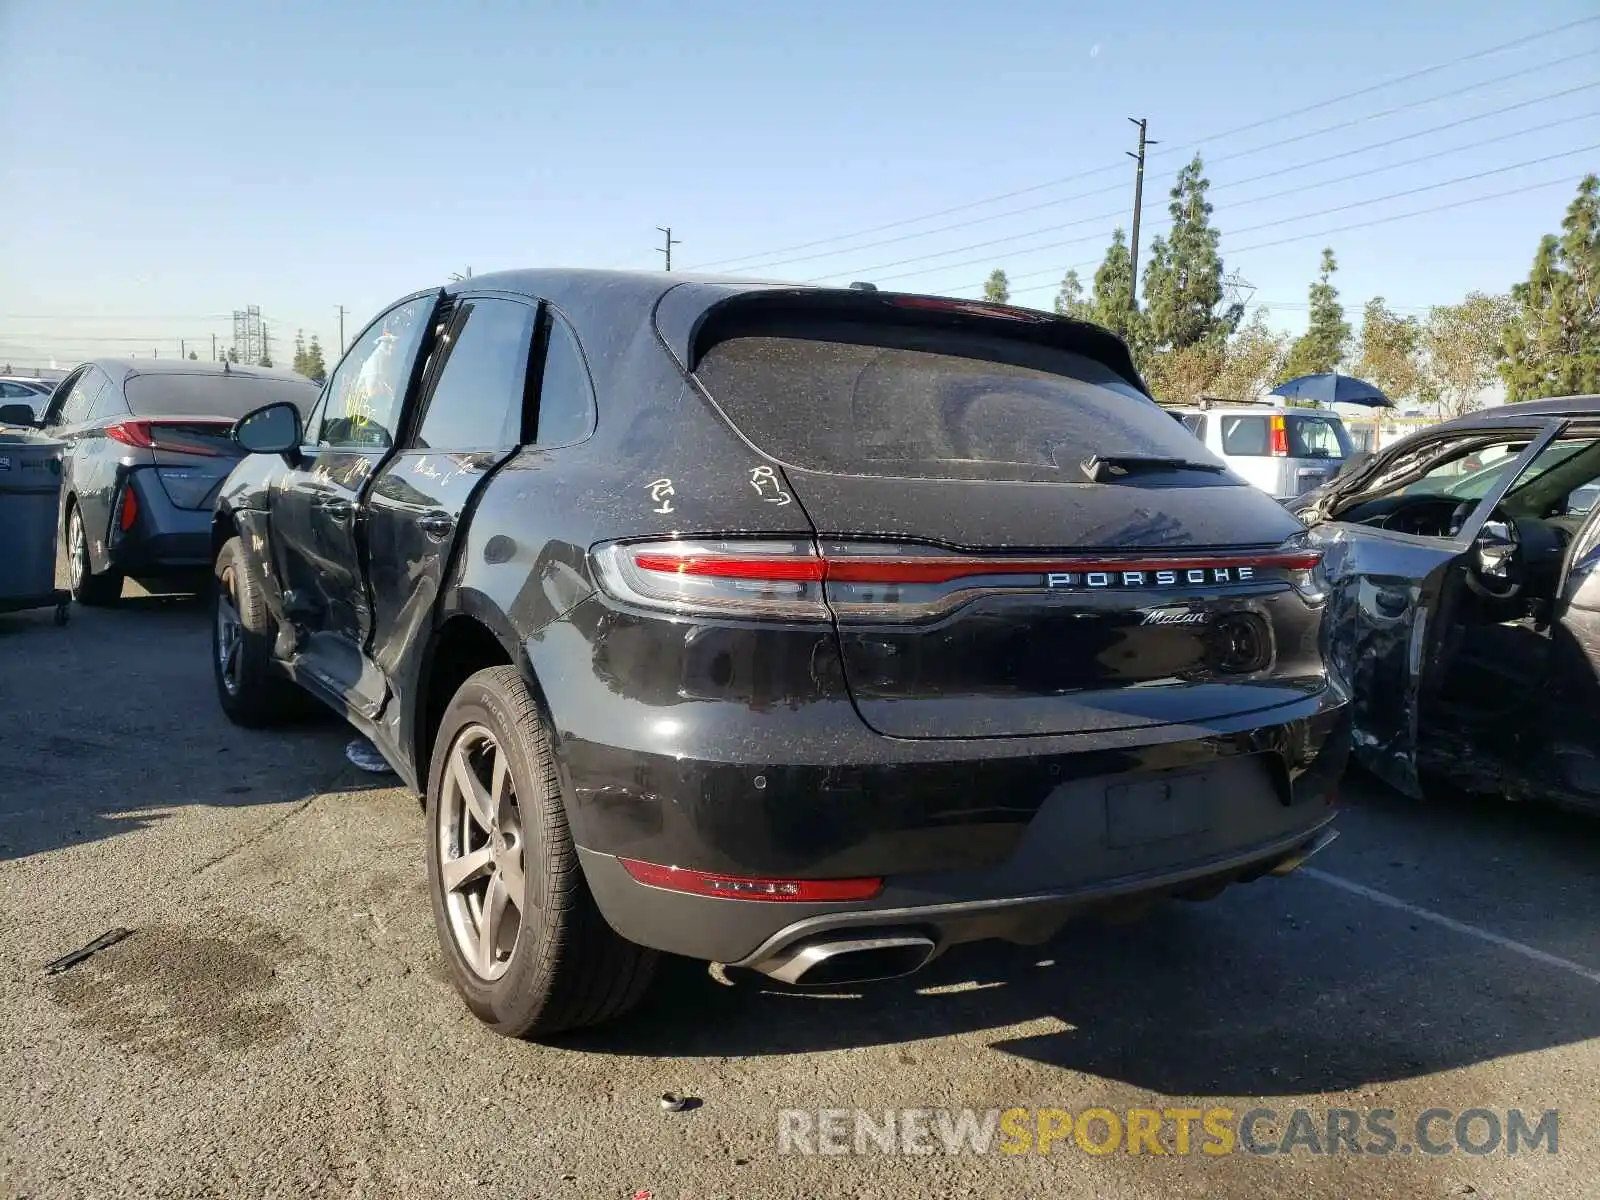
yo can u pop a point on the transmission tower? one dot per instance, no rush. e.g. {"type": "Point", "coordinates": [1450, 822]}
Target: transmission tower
{"type": "Point", "coordinates": [249, 338]}
{"type": "Point", "coordinates": [1236, 289]}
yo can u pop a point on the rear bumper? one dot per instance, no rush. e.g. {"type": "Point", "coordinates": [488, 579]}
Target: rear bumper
{"type": "Point", "coordinates": [1017, 880]}
{"type": "Point", "coordinates": [164, 538]}
{"type": "Point", "coordinates": [773, 938]}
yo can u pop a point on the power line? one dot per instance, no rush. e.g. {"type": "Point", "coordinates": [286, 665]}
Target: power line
{"type": "Point", "coordinates": [1339, 99]}
{"type": "Point", "coordinates": [1565, 181]}
{"type": "Point", "coordinates": [1220, 159]}
{"type": "Point", "coordinates": [1100, 217]}
{"type": "Point", "coordinates": [1319, 213]}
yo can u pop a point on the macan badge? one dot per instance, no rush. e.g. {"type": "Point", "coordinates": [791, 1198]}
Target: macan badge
{"type": "Point", "coordinates": [1174, 616]}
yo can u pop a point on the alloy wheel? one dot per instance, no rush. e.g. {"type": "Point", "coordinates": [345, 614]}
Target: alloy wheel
{"type": "Point", "coordinates": [77, 549]}
{"type": "Point", "coordinates": [230, 633]}
{"type": "Point", "coordinates": [482, 852]}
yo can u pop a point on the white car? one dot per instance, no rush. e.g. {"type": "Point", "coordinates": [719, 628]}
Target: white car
{"type": "Point", "coordinates": [1283, 451]}
{"type": "Point", "coordinates": [18, 389]}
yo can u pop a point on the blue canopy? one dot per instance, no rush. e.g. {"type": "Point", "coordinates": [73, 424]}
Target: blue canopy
{"type": "Point", "coordinates": [1333, 388]}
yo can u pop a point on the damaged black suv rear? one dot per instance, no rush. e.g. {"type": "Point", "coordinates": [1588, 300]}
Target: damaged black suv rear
{"type": "Point", "coordinates": [812, 631]}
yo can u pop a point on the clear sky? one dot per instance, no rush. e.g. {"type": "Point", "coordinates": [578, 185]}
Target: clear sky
{"type": "Point", "coordinates": [166, 162]}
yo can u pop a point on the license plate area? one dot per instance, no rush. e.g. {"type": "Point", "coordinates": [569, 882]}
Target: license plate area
{"type": "Point", "coordinates": [1158, 810]}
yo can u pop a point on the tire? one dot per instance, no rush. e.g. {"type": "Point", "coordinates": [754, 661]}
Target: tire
{"type": "Point", "coordinates": [88, 589]}
{"type": "Point", "coordinates": [564, 967]}
{"type": "Point", "coordinates": [249, 687]}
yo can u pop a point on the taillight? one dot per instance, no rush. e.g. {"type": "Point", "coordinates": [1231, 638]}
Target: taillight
{"type": "Point", "coordinates": [1280, 437]}
{"type": "Point", "coordinates": [794, 580]}
{"type": "Point", "coordinates": [128, 510]}
{"type": "Point", "coordinates": [746, 887]}
{"type": "Point", "coordinates": [750, 579]}
{"type": "Point", "coordinates": [151, 435]}
{"type": "Point", "coordinates": [132, 433]}
{"type": "Point", "coordinates": [1303, 565]}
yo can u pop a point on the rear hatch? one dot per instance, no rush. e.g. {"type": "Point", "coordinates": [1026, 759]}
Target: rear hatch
{"type": "Point", "coordinates": [1310, 447]}
{"type": "Point", "coordinates": [186, 421]}
{"type": "Point", "coordinates": [1017, 540]}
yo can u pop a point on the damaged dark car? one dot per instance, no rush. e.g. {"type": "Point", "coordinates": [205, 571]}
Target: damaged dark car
{"type": "Point", "coordinates": [1465, 609]}
{"type": "Point", "coordinates": [804, 630]}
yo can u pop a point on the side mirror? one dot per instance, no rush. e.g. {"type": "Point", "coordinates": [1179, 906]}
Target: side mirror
{"type": "Point", "coordinates": [17, 414]}
{"type": "Point", "coordinates": [271, 429]}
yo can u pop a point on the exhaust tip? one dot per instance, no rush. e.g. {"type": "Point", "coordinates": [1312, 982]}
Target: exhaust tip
{"type": "Point", "coordinates": [825, 962]}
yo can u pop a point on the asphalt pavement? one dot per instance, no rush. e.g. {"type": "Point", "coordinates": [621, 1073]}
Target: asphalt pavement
{"type": "Point", "coordinates": [276, 1022]}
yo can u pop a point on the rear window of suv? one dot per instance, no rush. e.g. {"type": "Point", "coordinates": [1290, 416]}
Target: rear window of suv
{"type": "Point", "coordinates": [1304, 436]}
{"type": "Point", "coordinates": [854, 398]}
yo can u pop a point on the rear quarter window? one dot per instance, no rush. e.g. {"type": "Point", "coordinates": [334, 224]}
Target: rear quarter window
{"type": "Point", "coordinates": [859, 399]}
{"type": "Point", "coordinates": [1245, 437]}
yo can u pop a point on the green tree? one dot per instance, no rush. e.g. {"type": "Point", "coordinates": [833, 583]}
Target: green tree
{"type": "Point", "coordinates": [1111, 303]}
{"type": "Point", "coordinates": [1461, 344]}
{"type": "Point", "coordinates": [1070, 300]}
{"type": "Point", "coordinates": [316, 368]}
{"type": "Point", "coordinates": [1253, 359]}
{"type": "Point", "coordinates": [1183, 279]}
{"type": "Point", "coordinates": [298, 366]}
{"type": "Point", "coordinates": [193, 357]}
{"type": "Point", "coordinates": [1388, 351]}
{"type": "Point", "coordinates": [997, 288]}
{"type": "Point", "coordinates": [1185, 373]}
{"type": "Point", "coordinates": [1551, 344]}
{"type": "Point", "coordinates": [1322, 346]}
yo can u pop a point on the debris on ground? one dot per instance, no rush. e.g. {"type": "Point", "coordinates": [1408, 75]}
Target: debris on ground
{"type": "Point", "coordinates": [105, 940]}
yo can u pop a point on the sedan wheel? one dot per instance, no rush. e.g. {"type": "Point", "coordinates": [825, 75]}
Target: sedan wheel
{"type": "Point", "coordinates": [481, 851]}
{"type": "Point", "coordinates": [87, 587]}
{"type": "Point", "coordinates": [230, 633]}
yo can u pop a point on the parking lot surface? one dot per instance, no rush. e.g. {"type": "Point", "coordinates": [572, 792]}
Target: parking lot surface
{"type": "Point", "coordinates": [276, 1023]}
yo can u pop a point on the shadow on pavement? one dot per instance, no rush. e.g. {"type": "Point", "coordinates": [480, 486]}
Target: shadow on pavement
{"type": "Point", "coordinates": [109, 724]}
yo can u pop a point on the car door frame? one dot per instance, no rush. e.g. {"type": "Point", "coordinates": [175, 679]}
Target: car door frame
{"type": "Point", "coordinates": [1390, 598]}
{"type": "Point", "coordinates": [401, 654]}
{"type": "Point", "coordinates": [308, 659]}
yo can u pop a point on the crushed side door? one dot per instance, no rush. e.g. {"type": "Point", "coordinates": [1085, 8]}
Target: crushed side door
{"type": "Point", "coordinates": [1388, 607]}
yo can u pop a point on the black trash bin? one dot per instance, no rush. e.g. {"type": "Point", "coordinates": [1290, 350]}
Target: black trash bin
{"type": "Point", "coordinates": [30, 501]}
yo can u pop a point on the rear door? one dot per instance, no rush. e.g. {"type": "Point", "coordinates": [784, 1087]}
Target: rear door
{"type": "Point", "coordinates": [1316, 445]}
{"type": "Point", "coordinates": [470, 419]}
{"type": "Point", "coordinates": [987, 577]}
{"type": "Point", "coordinates": [317, 502]}
{"type": "Point", "coordinates": [1392, 593]}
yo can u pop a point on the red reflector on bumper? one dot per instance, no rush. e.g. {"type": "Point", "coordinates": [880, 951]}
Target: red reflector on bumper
{"type": "Point", "coordinates": [744, 887]}
{"type": "Point", "coordinates": [130, 509]}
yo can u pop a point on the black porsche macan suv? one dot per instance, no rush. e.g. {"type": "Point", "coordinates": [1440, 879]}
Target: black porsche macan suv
{"type": "Point", "coordinates": [806, 630]}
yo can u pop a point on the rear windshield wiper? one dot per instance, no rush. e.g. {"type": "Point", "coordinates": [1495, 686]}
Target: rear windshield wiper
{"type": "Point", "coordinates": [1108, 468]}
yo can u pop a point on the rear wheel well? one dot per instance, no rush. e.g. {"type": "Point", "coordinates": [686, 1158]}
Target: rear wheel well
{"type": "Point", "coordinates": [223, 527]}
{"type": "Point", "coordinates": [461, 648]}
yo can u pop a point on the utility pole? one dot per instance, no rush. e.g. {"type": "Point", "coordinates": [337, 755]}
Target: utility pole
{"type": "Point", "coordinates": [213, 347]}
{"type": "Point", "coordinates": [671, 241]}
{"type": "Point", "coordinates": [341, 331]}
{"type": "Point", "coordinates": [1138, 203]}
{"type": "Point", "coordinates": [183, 349]}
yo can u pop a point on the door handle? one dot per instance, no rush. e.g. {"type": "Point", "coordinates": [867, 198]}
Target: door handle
{"type": "Point", "coordinates": [336, 508]}
{"type": "Point", "coordinates": [437, 524]}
